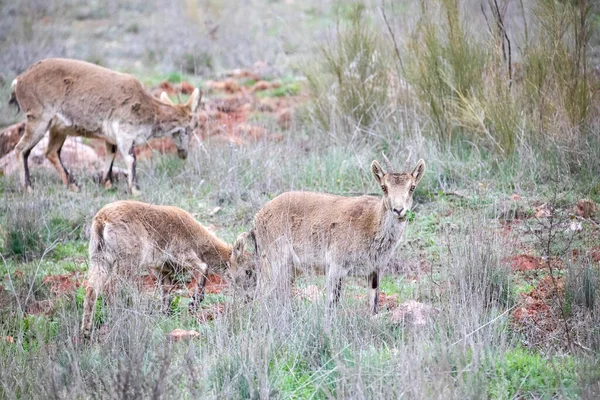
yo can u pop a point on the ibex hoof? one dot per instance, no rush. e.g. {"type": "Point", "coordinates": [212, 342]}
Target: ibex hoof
{"type": "Point", "coordinates": [136, 192]}
{"type": "Point", "coordinates": [73, 187]}
{"type": "Point", "coordinates": [108, 185]}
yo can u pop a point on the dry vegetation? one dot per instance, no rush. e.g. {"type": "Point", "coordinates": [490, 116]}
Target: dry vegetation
{"type": "Point", "coordinates": [501, 98]}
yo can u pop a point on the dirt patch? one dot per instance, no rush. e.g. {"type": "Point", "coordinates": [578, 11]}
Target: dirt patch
{"type": "Point", "coordinates": [538, 315]}
{"type": "Point", "coordinates": [525, 262]}
{"type": "Point", "coordinates": [214, 284]}
{"type": "Point", "coordinates": [63, 283]}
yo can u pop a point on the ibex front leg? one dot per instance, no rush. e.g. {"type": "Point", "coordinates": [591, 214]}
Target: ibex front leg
{"type": "Point", "coordinates": [374, 291]}
{"type": "Point", "coordinates": [127, 150]}
{"type": "Point", "coordinates": [199, 271]}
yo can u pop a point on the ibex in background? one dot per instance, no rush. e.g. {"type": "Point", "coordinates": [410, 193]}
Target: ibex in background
{"type": "Point", "coordinates": [343, 235]}
{"type": "Point", "coordinates": [130, 237]}
{"type": "Point", "coordinates": [76, 98]}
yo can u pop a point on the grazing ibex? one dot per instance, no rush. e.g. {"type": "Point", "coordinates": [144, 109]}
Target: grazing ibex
{"type": "Point", "coordinates": [130, 237]}
{"type": "Point", "coordinates": [340, 235]}
{"type": "Point", "coordinates": [76, 98]}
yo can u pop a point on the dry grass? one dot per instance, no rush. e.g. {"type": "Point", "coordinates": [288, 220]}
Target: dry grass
{"type": "Point", "coordinates": [450, 101]}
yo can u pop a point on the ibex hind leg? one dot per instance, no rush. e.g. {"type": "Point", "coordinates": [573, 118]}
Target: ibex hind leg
{"type": "Point", "coordinates": [199, 272]}
{"type": "Point", "coordinates": [333, 288]}
{"type": "Point", "coordinates": [34, 132]}
{"type": "Point", "coordinates": [89, 307]}
{"type": "Point", "coordinates": [165, 290]}
{"type": "Point", "coordinates": [55, 144]}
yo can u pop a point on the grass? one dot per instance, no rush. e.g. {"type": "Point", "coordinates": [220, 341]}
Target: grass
{"type": "Point", "coordinates": [445, 95]}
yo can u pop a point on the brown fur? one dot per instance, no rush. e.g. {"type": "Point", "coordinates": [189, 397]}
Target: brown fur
{"type": "Point", "coordinates": [130, 237]}
{"type": "Point", "coordinates": [76, 98]}
{"type": "Point", "coordinates": [343, 235]}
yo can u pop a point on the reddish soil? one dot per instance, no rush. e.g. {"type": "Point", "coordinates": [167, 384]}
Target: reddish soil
{"type": "Point", "coordinates": [214, 284]}
{"type": "Point", "coordinates": [595, 254]}
{"type": "Point", "coordinates": [525, 262]}
{"type": "Point", "coordinates": [538, 311]}
{"type": "Point", "coordinates": [62, 284]}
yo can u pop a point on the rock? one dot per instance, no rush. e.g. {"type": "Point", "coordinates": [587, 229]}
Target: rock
{"type": "Point", "coordinates": [182, 334]}
{"type": "Point", "coordinates": [10, 136]}
{"type": "Point", "coordinates": [586, 208]}
{"type": "Point", "coordinates": [412, 313]}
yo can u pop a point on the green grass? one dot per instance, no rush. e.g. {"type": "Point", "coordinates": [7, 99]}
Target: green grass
{"type": "Point", "coordinates": [526, 374]}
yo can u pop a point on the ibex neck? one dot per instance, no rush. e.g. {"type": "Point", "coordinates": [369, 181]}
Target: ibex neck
{"type": "Point", "coordinates": [390, 229]}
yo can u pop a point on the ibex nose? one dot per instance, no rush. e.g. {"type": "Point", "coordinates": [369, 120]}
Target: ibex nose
{"type": "Point", "coordinates": [401, 212]}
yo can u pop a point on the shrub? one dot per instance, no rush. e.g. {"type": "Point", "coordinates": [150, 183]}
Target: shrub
{"type": "Point", "coordinates": [350, 79]}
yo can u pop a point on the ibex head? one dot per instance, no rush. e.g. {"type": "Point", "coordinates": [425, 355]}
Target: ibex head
{"type": "Point", "coordinates": [242, 267]}
{"type": "Point", "coordinates": [181, 121]}
{"type": "Point", "coordinates": [398, 187]}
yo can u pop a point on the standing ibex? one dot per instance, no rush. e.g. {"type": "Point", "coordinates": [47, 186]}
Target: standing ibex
{"type": "Point", "coordinates": [76, 98]}
{"type": "Point", "coordinates": [342, 235]}
{"type": "Point", "coordinates": [130, 237]}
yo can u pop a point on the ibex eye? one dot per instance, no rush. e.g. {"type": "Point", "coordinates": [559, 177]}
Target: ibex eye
{"type": "Point", "coordinates": [412, 188]}
{"type": "Point", "coordinates": [384, 188]}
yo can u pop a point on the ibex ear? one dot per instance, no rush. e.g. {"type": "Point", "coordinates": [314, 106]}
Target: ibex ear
{"type": "Point", "coordinates": [377, 171]}
{"type": "Point", "coordinates": [194, 101]}
{"type": "Point", "coordinates": [239, 246]}
{"type": "Point", "coordinates": [164, 97]}
{"type": "Point", "coordinates": [419, 171]}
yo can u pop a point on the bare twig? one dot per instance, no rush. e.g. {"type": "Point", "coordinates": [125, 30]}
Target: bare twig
{"type": "Point", "coordinates": [484, 325]}
{"type": "Point", "coordinates": [393, 36]}
{"type": "Point", "coordinates": [503, 32]}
